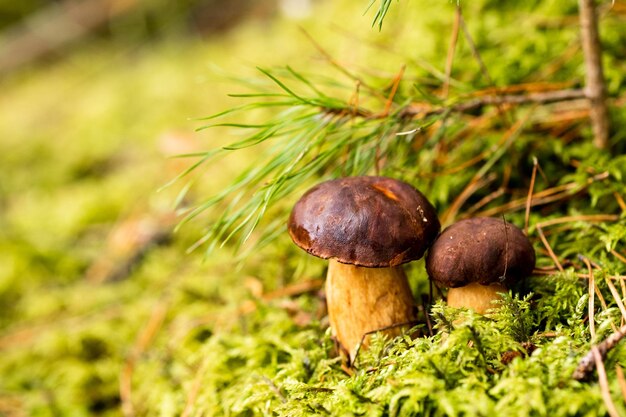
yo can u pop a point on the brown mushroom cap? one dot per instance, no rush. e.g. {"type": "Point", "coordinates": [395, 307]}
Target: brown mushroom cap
{"type": "Point", "coordinates": [364, 221]}
{"type": "Point", "coordinates": [483, 250]}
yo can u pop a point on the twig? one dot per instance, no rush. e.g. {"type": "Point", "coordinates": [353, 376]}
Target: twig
{"type": "Point", "coordinates": [621, 380]}
{"type": "Point", "coordinates": [420, 110]}
{"type": "Point", "coordinates": [195, 390]}
{"type": "Point", "coordinates": [543, 271]}
{"type": "Point", "coordinates": [550, 195]}
{"type": "Point", "coordinates": [475, 52]}
{"type": "Point", "coordinates": [604, 383]}
{"type": "Point", "coordinates": [479, 179]}
{"type": "Point", "coordinates": [589, 263]}
{"type": "Point", "coordinates": [474, 185]}
{"type": "Point", "coordinates": [618, 255]}
{"type": "Point", "coordinates": [465, 164]}
{"type": "Point", "coordinates": [146, 336]}
{"type": "Point", "coordinates": [386, 111]}
{"type": "Point", "coordinates": [591, 308]}
{"type": "Point", "coordinates": [616, 296]}
{"type": "Point", "coordinates": [496, 99]}
{"type": "Point", "coordinates": [587, 364]}
{"type": "Point", "coordinates": [491, 196]}
{"type": "Point", "coordinates": [622, 285]}
{"type": "Point", "coordinates": [451, 50]}
{"type": "Point", "coordinates": [354, 100]}
{"type": "Point", "coordinates": [531, 188]}
{"type": "Point", "coordinates": [580, 218]}
{"type": "Point", "coordinates": [484, 201]}
{"type": "Point", "coordinates": [522, 88]}
{"type": "Point", "coordinates": [394, 90]}
{"type": "Point", "coordinates": [595, 88]}
{"type": "Point", "coordinates": [620, 200]}
{"type": "Point", "coordinates": [549, 249]}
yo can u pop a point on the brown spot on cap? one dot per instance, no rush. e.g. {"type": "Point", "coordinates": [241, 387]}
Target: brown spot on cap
{"type": "Point", "coordinates": [386, 192]}
{"type": "Point", "coordinates": [483, 250]}
{"type": "Point", "coordinates": [365, 221]}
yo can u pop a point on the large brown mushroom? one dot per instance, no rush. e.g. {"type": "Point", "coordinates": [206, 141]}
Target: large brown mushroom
{"type": "Point", "coordinates": [367, 227]}
{"type": "Point", "coordinates": [479, 258]}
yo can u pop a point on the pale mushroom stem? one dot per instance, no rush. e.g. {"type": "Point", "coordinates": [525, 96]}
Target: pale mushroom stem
{"type": "Point", "coordinates": [362, 300]}
{"type": "Point", "coordinates": [476, 296]}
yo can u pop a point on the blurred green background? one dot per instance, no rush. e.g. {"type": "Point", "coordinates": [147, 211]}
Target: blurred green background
{"type": "Point", "coordinates": [97, 96]}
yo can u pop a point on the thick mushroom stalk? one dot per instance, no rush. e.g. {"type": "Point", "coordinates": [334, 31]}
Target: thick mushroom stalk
{"type": "Point", "coordinates": [363, 300]}
{"type": "Point", "coordinates": [367, 227]}
{"type": "Point", "coordinates": [477, 259]}
{"type": "Point", "coordinates": [475, 296]}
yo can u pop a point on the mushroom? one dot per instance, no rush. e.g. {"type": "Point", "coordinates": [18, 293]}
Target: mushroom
{"type": "Point", "coordinates": [479, 258]}
{"type": "Point", "coordinates": [367, 227]}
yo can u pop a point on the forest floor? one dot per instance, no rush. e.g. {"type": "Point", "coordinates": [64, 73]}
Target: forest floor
{"type": "Point", "coordinates": [108, 309]}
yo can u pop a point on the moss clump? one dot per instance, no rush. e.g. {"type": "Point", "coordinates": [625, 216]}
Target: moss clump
{"type": "Point", "coordinates": [270, 365]}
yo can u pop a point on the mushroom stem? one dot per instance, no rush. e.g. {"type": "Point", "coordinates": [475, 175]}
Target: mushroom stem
{"type": "Point", "coordinates": [362, 300]}
{"type": "Point", "coordinates": [476, 296]}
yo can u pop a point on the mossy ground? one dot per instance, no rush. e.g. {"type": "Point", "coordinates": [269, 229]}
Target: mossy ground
{"type": "Point", "coordinates": [82, 147]}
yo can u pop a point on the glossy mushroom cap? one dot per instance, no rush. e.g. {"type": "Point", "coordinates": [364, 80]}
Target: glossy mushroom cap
{"type": "Point", "coordinates": [483, 250]}
{"type": "Point", "coordinates": [364, 221]}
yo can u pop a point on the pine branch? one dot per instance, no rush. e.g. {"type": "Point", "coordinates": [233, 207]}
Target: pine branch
{"type": "Point", "coordinates": [595, 89]}
{"type": "Point", "coordinates": [423, 109]}
{"type": "Point", "coordinates": [495, 99]}
{"type": "Point", "coordinates": [315, 130]}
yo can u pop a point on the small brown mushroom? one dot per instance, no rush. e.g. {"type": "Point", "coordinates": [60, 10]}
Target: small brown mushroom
{"type": "Point", "coordinates": [479, 258]}
{"type": "Point", "coordinates": [368, 227]}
